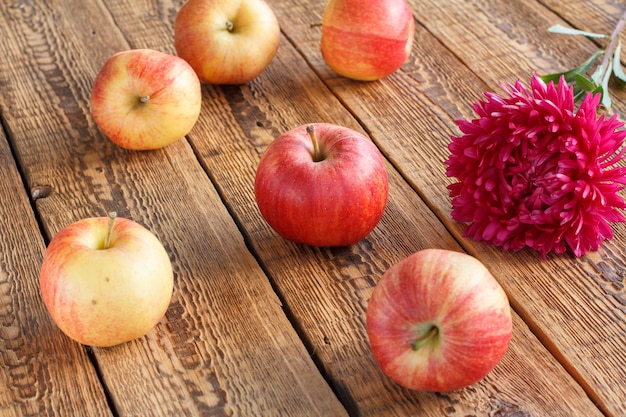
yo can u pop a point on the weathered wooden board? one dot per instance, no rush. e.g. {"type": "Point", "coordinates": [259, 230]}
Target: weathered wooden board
{"type": "Point", "coordinates": [257, 325]}
{"type": "Point", "coordinates": [41, 371]}
{"type": "Point", "coordinates": [327, 290]}
{"type": "Point", "coordinates": [571, 304]}
{"type": "Point", "coordinates": [225, 346]}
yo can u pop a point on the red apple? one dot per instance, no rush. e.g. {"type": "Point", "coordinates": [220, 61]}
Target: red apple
{"type": "Point", "coordinates": [106, 281]}
{"type": "Point", "coordinates": [366, 40]}
{"type": "Point", "coordinates": [226, 41]}
{"type": "Point", "coordinates": [322, 185]}
{"type": "Point", "coordinates": [438, 321]}
{"type": "Point", "coordinates": [144, 99]}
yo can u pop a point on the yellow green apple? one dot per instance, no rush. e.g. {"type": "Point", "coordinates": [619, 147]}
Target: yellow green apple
{"type": "Point", "coordinates": [106, 280]}
{"type": "Point", "coordinates": [226, 41]}
{"type": "Point", "coordinates": [144, 99]}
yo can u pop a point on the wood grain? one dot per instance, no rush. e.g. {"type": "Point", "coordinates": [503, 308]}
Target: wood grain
{"type": "Point", "coordinates": [564, 301]}
{"type": "Point", "coordinates": [41, 372]}
{"type": "Point", "coordinates": [258, 325]}
{"type": "Point", "coordinates": [327, 290]}
{"type": "Point", "coordinates": [225, 346]}
{"type": "Point", "coordinates": [599, 16]}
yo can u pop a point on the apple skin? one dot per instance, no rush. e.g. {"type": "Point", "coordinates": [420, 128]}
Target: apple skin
{"type": "Point", "coordinates": [366, 40]}
{"type": "Point", "coordinates": [173, 107]}
{"type": "Point", "coordinates": [223, 54]}
{"type": "Point", "coordinates": [105, 297]}
{"type": "Point", "coordinates": [333, 202]}
{"type": "Point", "coordinates": [455, 293]}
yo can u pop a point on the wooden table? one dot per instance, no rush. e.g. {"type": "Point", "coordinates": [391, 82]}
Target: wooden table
{"type": "Point", "coordinates": [259, 326]}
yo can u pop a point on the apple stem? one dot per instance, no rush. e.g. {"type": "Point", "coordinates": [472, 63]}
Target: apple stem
{"type": "Point", "coordinates": [144, 99]}
{"type": "Point", "coordinates": [423, 339]}
{"type": "Point", "coordinates": [107, 241]}
{"type": "Point", "coordinates": [229, 26]}
{"type": "Point", "coordinates": [317, 155]}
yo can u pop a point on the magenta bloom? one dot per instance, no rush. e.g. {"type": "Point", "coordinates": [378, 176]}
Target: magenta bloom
{"type": "Point", "coordinates": [534, 172]}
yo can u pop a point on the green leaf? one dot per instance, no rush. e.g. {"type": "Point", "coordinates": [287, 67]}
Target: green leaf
{"type": "Point", "coordinates": [617, 65]}
{"type": "Point", "coordinates": [569, 31]}
{"type": "Point", "coordinates": [585, 84]}
{"type": "Point", "coordinates": [579, 95]}
{"type": "Point", "coordinates": [584, 67]}
{"type": "Point", "coordinates": [597, 74]}
{"type": "Point", "coordinates": [551, 77]}
{"type": "Point", "coordinates": [570, 76]}
{"type": "Point", "coordinates": [606, 100]}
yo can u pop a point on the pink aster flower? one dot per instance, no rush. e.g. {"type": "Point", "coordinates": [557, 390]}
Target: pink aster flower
{"type": "Point", "coordinates": [535, 172]}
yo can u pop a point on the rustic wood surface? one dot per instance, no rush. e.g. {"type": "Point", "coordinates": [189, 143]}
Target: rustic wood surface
{"type": "Point", "coordinates": [259, 326]}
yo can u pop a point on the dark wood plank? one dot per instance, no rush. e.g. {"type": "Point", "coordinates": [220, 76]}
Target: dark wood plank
{"type": "Point", "coordinates": [327, 290]}
{"type": "Point", "coordinates": [599, 16]}
{"type": "Point", "coordinates": [41, 371]}
{"type": "Point", "coordinates": [569, 303]}
{"type": "Point", "coordinates": [225, 346]}
{"type": "Point", "coordinates": [196, 361]}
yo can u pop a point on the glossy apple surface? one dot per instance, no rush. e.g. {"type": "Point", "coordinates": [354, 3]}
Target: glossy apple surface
{"type": "Point", "coordinates": [103, 295]}
{"type": "Point", "coordinates": [226, 41]}
{"type": "Point", "coordinates": [333, 199]}
{"type": "Point", "coordinates": [366, 40]}
{"type": "Point", "coordinates": [438, 321]}
{"type": "Point", "coordinates": [144, 99]}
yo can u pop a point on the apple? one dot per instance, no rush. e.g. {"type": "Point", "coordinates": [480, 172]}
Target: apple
{"type": "Point", "coordinates": [322, 185]}
{"type": "Point", "coordinates": [226, 41]}
{"type": "Point", "coordinates": [438, 321]}
{"type": "Point", "coordinates": [106, 280]}
{"type": "Point", "coordinates": [144, 99]}
{"type": "Point", "coordinates": [365, 39]}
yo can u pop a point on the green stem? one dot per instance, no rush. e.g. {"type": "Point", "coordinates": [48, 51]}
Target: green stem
{"type": "Point", "coordinates": [425, 338]}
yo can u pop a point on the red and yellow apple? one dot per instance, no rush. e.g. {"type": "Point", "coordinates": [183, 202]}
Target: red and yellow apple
{"type": "Point", "coordinates": [106, 280]}
{"type": "Point", "coordinates": [438, 321]}
{"type": "Point", "coordinates": [226, 41]}
{"type": "Point", "coordinates": [366, 40]}
{"type": "Point", "coordinates": [144, 99]}
{"type": "Point", "coordinates": [322, 185]}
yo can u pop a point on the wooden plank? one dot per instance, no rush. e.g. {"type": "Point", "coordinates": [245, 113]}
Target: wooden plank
{"type": "Point", "coordinates": [225, 346]}
{"type": "Point", "coordinates": [340, 280]}
{"type": "Point", "coordinates": [500, 46]}
{"type": "Point", "coordinates": [572, 305]}
{"type": "Point", "coordinates": [327, 289]}
{"type": "Point", "coordinates": [41, 372]}
{"type": "Point", "coordinates": [599, 16]}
